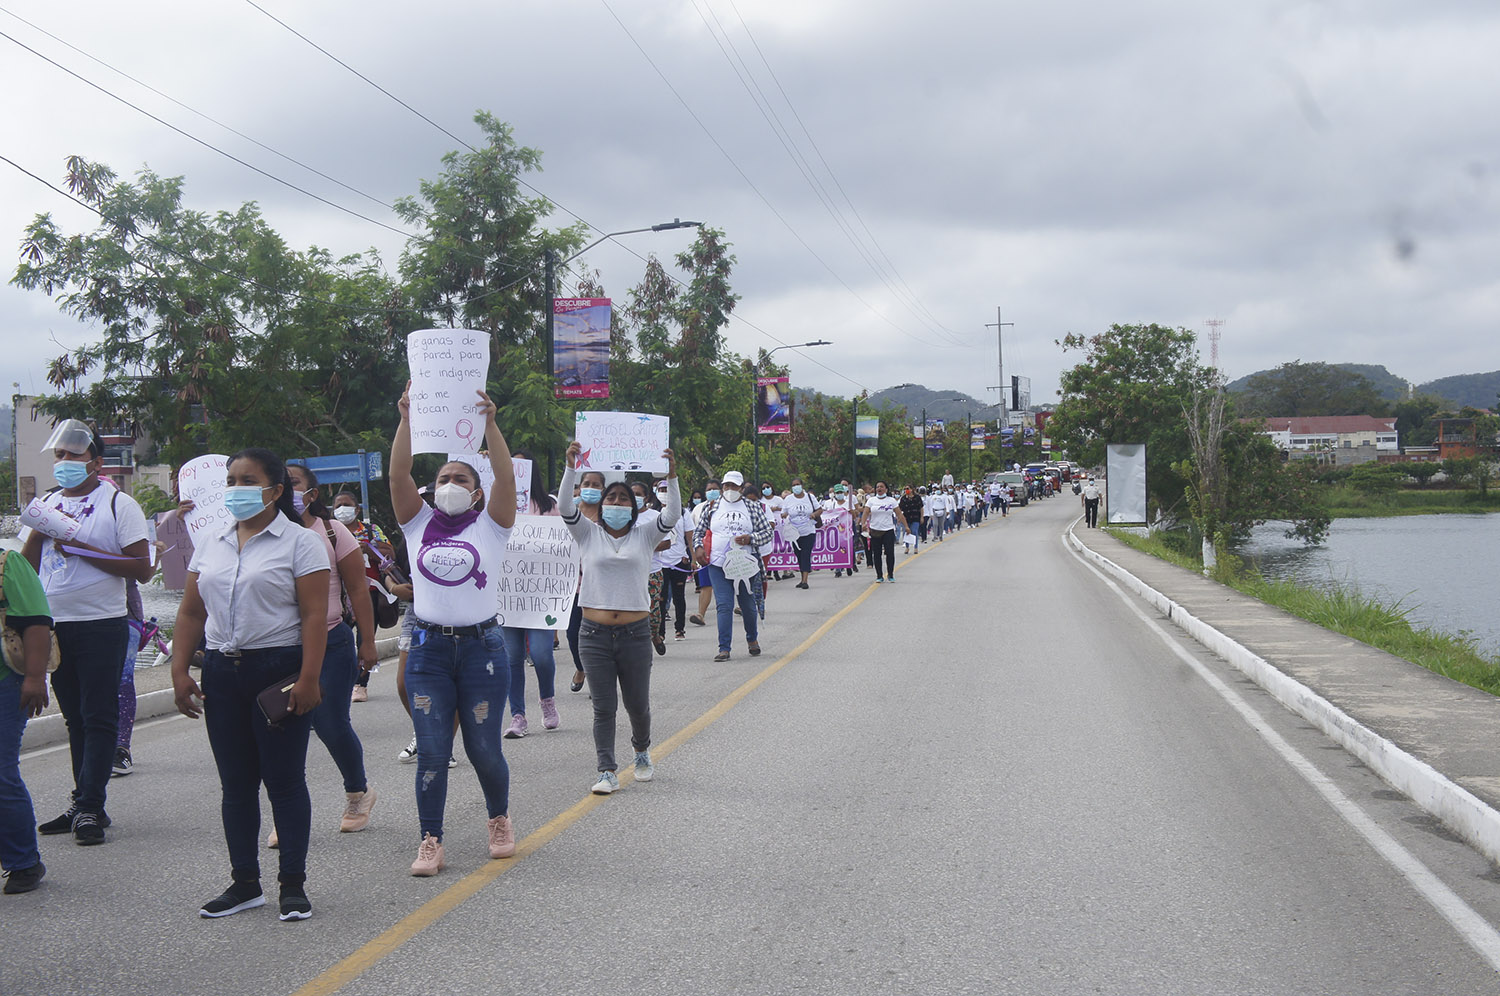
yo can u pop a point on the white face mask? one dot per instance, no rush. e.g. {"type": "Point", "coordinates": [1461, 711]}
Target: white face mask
{"type": "Point", "coordinates": [345, 513]}
{"type": "Point", "coordinates": [454, 499]}
{"type": "Point", "coordinates": [731, 495]}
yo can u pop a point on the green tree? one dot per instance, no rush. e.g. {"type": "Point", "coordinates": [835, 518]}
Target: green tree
{"type": "Point", "coordinates": [1133, 386]}
{"type": "Point", "coordinates": [1375, 480]}
{"type": "Point", "coordinates": [1420, 471]}
{"type": "Point", "coordinates": [152, 499]}
{"type": "Point", "coordinates": [1301, 389]}
{"type": "Point", "coordinates": [1415, 424]}
{"type": "Point", "coordinates": [213, 331]}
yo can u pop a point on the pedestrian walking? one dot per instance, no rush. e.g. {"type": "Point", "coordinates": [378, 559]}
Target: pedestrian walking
{"type": "Point", "coordinates": [615, 637]}
{"type": "Point", "coordinates": [457, 665]}
{"type": "Point", "coordinates": [727, 522]}
{"type": "Point", "coordinates": [879, 519]}
{"type": "Point", "coordinates": [348, 600]}
{"type": "Point", "coordinates": [910, 509]}
{"type": "Point", "coordinates": [257, 593]}
{"type": "Point", "coordinates": [588, 492]}
{"type": "Point", "coordinates": [377, 550]}
{"type": "Point", "coordinates": [803, 513]}
{"type": "Point", "coordinates": [85, 582]}
{"type": "Point", "coordinates": [535, 644]}
{"type": "Point", "coordinates": [1090, 495]}
{"type": "Point", "coordinates": [23, 696]}
{"type": "Point", "coordinates": [675, 564]}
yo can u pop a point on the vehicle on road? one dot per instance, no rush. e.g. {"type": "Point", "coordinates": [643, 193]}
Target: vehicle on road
{"type": "Point", "coordinates": [1016, 482]}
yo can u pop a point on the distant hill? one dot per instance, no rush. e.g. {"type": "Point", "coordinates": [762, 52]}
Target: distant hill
{"type": "Point", "coordinates": [1478, 390]}
{"type": "Point", "coordinates": [939, 404]}
{"type": "Point", "coordinates": [1387, 385]}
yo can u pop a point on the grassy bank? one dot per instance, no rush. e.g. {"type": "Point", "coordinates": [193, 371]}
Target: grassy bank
{"type": "Point", "coordinates": [1343, 610]}
{"type": "Point", "coordinates": [1346, 503]}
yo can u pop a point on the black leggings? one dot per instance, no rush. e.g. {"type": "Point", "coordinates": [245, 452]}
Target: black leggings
{"type": "Point", "coordinates": [804, 552]}
{"type": "Point", "coordinates": [676, 582]}
{"type": "Point", "coordinates": [883, 541]}
{"type": "Point", "coordinates": [574, 621]}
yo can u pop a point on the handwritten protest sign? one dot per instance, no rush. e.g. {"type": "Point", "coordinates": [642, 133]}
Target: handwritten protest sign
{"type": "Point", "coordinates": [481, 464]}
{"type": "Point", "coordinates": [622, 441]}
{"type": "Point", "coordinates": [201, 481]}
{"type": "Point", "coordinates": [49, 521]}
{"type": "Point", "coordinates": [172, 532]}
{"type": "Point", "coordinates": [447, 366]}
{"type": "Point", "coordinates": [833, 547]}
{"type": "Point", "coordinates": [539, 578]}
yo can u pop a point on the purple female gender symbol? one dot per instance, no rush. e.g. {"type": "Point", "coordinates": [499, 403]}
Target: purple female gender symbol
{"type": "Point", "coordinates": [465, 430]}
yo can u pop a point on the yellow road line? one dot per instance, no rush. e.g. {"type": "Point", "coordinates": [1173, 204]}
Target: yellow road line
{"type": "Point", "coordinates": [373, 951]}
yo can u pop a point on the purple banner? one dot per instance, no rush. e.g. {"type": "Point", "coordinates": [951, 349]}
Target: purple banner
{"type": "Point", "coordinates": [833, 548]}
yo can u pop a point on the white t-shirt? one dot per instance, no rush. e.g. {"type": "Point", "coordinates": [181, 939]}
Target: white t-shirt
{"type": "Point", "coordinates": [799, 510]}
{"type": "Point", "coordinates": [453, 575]}
{"type": "Point", "coordinates": [1091, 491]}
{"type": "Point", "coordinates": [77, 591]}
{"type": "Point", "coordinates": [680, 537]}
{"type": "Point", "coordinates": [730, 519]}
{"type": "Point", "coordinates": [882, 512]}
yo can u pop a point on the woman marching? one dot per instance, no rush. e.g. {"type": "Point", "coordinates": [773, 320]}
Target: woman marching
{"type": "Point", "coordinates": [732, 522]}
{"type": "Point", "coordinates": [803, 513]}
{"type": "Point", "coordinates": [341, 663]}
{"type": "Point", "coordinates": [457, 664]}
{"type": "Point", "coordinates": [615, 637]}
{"type": "Point", "coordinates": [257, 591]}
{"type": "Point", "coordinates": [534, 643]}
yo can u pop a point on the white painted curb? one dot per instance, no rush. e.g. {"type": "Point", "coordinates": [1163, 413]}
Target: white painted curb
{"type": "Point", "coordinates": [51, 729]}
{"type": "Point", "coordinates": [1458, 808]}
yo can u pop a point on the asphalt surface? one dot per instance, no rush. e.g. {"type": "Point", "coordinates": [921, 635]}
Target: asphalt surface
{"type": "Point", "coordinates": [991, 777]}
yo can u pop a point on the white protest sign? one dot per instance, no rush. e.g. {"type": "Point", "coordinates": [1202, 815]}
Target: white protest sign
{"type": "Point", "coordinates": [622, 441]}
{"type": "Point", "coordinates": [522, 469]}
{"type": "Point", "coordinates": [447, 366]}
{"type": "Point", "coordinates": [49, 521]}
{"type": "Point", "coordinates": [539, 579]}
{"type": "Point", "coordinates": [201, 481]}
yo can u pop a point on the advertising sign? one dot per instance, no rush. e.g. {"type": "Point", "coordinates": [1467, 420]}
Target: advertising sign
{"type": "Point", "coordinates": [867, 435]}
{"type": "Point", "coordinates": [773, 405]}
{"type": "Point", "coordinates": [580, 347]}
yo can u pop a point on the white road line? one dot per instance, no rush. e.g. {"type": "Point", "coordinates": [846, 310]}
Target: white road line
{"type": "Point", "coordinates": [1473, 928]}
{"type": "Point", "coordinates": [54, 748]}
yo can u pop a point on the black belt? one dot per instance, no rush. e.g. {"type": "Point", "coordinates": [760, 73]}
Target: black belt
{"type": "Point", "coordinates": [476, 630]}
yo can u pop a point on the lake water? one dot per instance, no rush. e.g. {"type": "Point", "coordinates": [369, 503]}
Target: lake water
{"type": "Point", "coordinates": [1442, 568]}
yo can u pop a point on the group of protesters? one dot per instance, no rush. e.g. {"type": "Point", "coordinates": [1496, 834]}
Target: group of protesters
{"type": "Point", "coordinates": [277, 619]}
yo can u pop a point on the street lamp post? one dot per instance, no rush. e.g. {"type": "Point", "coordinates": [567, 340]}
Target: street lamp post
{"type": "Point", "coordinates": [755, 393]}
{"type": "Point", "coordinates": [550, 258]}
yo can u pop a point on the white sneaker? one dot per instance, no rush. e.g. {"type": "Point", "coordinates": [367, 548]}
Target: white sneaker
{"type": "Point", "coordinates": [408, 754]}
{"type": "Point", "coordinates": [608, 784]}
{"type": "Point", "coordinates": [644, 769]}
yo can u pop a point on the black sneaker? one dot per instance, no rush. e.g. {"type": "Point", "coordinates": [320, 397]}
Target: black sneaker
{"type": "Point", "coordinates": [294, 903]}
{"type": "Point", "coordinates": [64, 823]}
{"type": "Point", "coordinates": [24, 879]}
{"type": "Point", "coordinates": [237, 898]}
{"type": "Point", "coordinates": [123, 765]}
{"type": "Point", "coordinates": [88, 829]}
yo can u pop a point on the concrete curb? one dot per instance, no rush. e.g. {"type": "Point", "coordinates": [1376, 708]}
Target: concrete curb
{"type": "Point", "coordinates": [50, 729]}
{"type": "Point", "coordinates": [1460, 810]}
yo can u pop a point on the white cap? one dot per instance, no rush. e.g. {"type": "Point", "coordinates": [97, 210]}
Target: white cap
{"type": "Point", "coordinates": [734, 477]}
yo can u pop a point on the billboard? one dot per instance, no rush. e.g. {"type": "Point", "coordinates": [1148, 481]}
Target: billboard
{"type": "Point", "coordinates": [934, 434]}
{"type": "Point", "coordinates": [580, 347]}
{"type": "Point", "coordinates": [867, 435]}
{"type": "Point", "coordinates": [1020, 393]}
{"type": "Point", "coordinates": [1125, 469]}
{"type": "Point", "coordinates": [976, 437]}
{"type": "Point", "coordinates": [773, 405]}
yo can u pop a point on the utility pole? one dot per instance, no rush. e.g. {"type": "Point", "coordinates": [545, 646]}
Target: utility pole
{"type": "Point", "coordinates": [1000, 364]}
{"type": "Point", "coordinates": [924, 445]}
{"type": "Point", "coordinates": [551, 278]}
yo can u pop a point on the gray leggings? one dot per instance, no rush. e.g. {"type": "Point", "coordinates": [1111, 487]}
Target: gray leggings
{"type": "Point", "coordinates": [620, 654]}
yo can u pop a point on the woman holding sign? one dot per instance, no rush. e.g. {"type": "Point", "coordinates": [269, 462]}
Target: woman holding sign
{"type": "Point", "coordinates": [615, 637]}
{"type": "Point", "coordinates": [457, 664]}
{"type": "Point", "coordinates": [534, 643]}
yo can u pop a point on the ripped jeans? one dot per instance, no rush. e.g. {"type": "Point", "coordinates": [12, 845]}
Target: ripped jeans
{"type": "Point", "coordinates": [470, 676]}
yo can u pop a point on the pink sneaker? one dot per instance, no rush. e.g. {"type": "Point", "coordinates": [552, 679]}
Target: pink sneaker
{"type": "Point", "coordinates": [502, 837]}
{"type": "Point", "coordinates": [360, 694]}
{"type": "Point", "coordinates": [517, 728]}
{"type": "Point", "coordinates": [550, 719]}
{"type": "Point", "coordinates": [429, 858]}
{"type": "Point", "coordinates": [357, 808]}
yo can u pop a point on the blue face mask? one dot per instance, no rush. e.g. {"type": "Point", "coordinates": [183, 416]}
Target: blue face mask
{"type": "Point", "coordinates": [796, 489]}
{"type": "Point", "coordinates": [765, 491]}
{"type": "Point", "coordinates": [640, 502]}
{"type": "Point", "coordinates": [615, 516]}
{"type": "Point", "coordinates": [713, 494]}
{"type": "Point", "coordinates": [244, 502]}
{"type": "Point", "coordinates": [591, 496]}
{"type": "Point", "coordinates": [70, 473]}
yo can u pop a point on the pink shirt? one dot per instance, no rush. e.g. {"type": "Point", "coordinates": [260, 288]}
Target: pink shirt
{"type": "Point", "coordinates": [345, 544]}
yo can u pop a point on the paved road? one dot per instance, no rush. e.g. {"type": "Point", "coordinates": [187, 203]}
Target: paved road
{"type": "Point", "coordinates": [991, 777]}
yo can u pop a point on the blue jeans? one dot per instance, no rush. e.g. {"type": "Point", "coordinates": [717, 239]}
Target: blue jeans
{"type": "Point", "coordinates": [536, 643]}
{"type": "Point", "coordinates": [250, 752]}
{"type": "Point", "coordinates": [468, 676]}
{"type": "Point", "coordinates": [17, 818]}
{"type": "Point", "coordinates": [618, 655]}
{"type": "Point", "coordinates": [87, 685]}
{"type": "Point", "coordinates": [724, 598]}
{"type": "Point", "coordinates": [331, 718]}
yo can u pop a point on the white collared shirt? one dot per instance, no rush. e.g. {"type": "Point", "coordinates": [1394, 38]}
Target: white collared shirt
{"type": "Point", "coordinates": [251, 592]}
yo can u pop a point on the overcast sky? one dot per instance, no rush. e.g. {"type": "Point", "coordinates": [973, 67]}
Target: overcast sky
{"type": "Point", "coordinates": [1320, 175]}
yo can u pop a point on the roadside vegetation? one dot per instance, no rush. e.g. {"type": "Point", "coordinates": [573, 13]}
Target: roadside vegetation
{"type": "Point", "coordinates": [1342, 609]}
